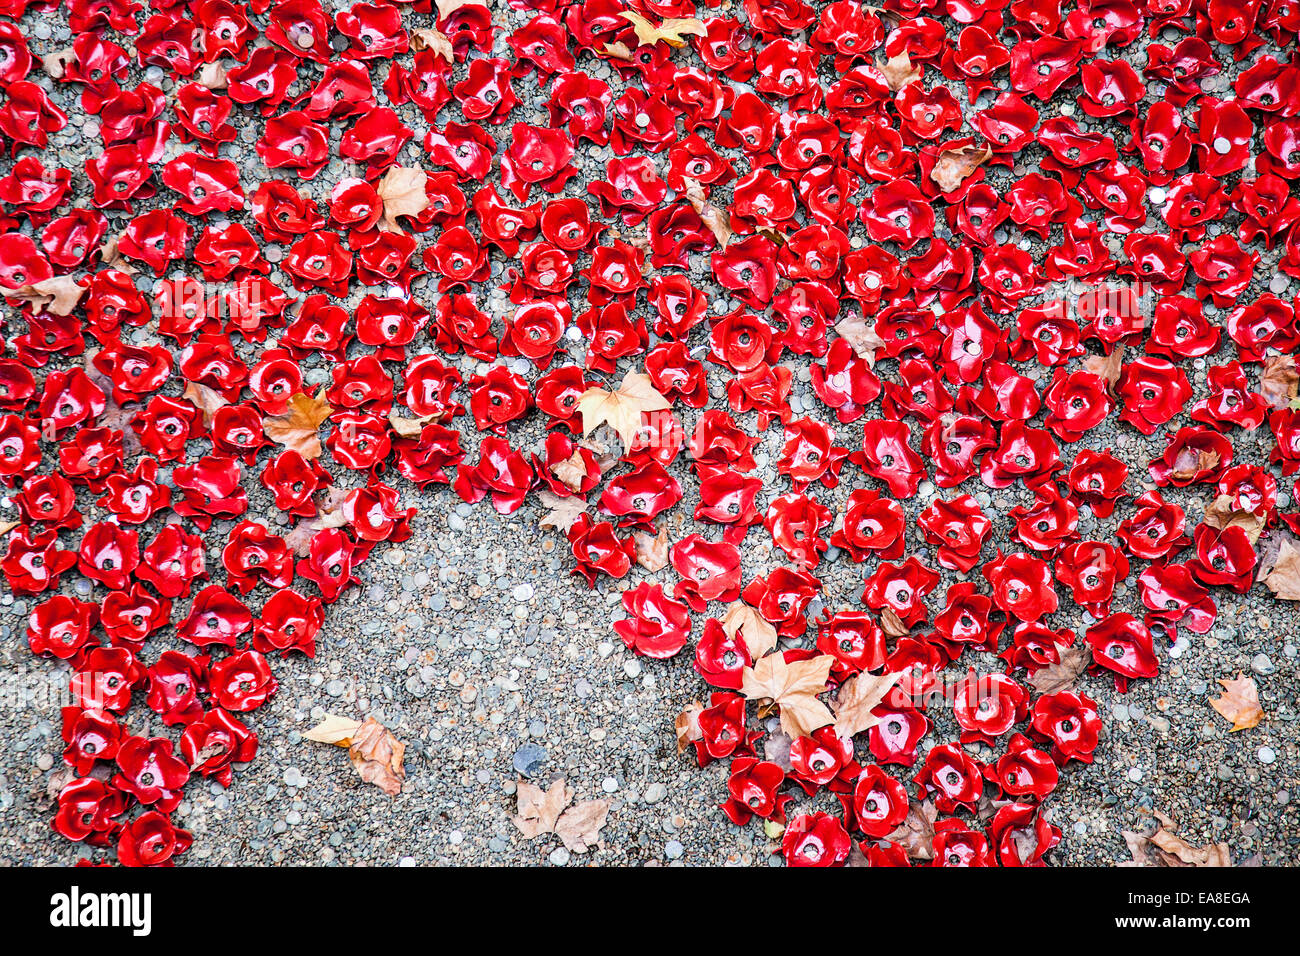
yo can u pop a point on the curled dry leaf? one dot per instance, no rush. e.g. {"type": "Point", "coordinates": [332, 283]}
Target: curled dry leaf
{"type": "Point", "coordinates": [670, 31]}
{"type": "Point", "coordinates": [758, 633]}
{"type": "Point", "coordinates": [1224, 512]}
{"type": "Point", "coordinates": [916, 833]}
{"type": "Point", "coordinates": [299, 427]}
{"type": "Point", "coordinates": [621, 409]}
{"type": "Point", "coordinates": [55, 63]}
{"type": "Point", "coordinates": [206, 400]}
{"type": "Point", "coordinates": [1283, 578]}
{"type": "Point", "coordinates": [687, 726]}
{"type": "Point", "coordinates": [561, 513]}
{"type": "Point", "coordinates": [426, 38]}
{"type": "Point", "coordinates": [375, 752]}
{"type": "Point", "coordinates": [1106, 366]}
{"type": "Point", "coordinates": [402, 192]}
{"type": "Point", "coordinates": [212, 75]}
{"type": "Point", "coordinates": [899, 71]}
{"type": "Point", "coordinates": [955, 165]}
{"type": "Point", "coordinates": [718, 221]}
{"type": "Point", "coordinates": [858, 696]}
{"type": "Point", "coordinates": [543, 811]}
{"type": "Point", "coordinates": [409, 427]}
{"type": "Point", "coordinates": [58, 295]}
{"type": "Point", "coordinates": [571, 472]}
{"type": "Point", "coordinates": [861, 336]}
{"type": "Point", "coordinates": [652, 553]}
{"type": "Point", "coordinates": [1239, 702]}
{"type": "Point", "coordinates": [1165, 848]}
{"type": "Point", "coordinates": [620, 51]}
{"type": "Point", "coordinates": [111, 257]}
{"type": "Point", "coordinates": [1279, 380]}
{"type": "Point", "coordinates": [1062, 675]}
{"type": "Point", "coordinates": [892, 624]}
{"type": "Point", "coordinates": [329, 514]}
{"type": "Point", "coordinates": [793, 688]}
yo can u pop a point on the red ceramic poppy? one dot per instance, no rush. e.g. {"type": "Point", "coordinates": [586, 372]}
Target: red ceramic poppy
{"type": "Point", "coordinates": [1070, 723]}
{"type": "Point", "coordinates": [213, 742]}
{"type": "Point", "coordinates": [241, 682]}
{"type": "Point", "coordinates": [709, 571]}
{"type": "Point", "coordinates": [88, 809]}
{"type": "Point", "coordinates": [752, 791]}
{"type": "Point", "coordinates": [1024, 771]}
{"type": "Point", "coordinates": [817, 839]}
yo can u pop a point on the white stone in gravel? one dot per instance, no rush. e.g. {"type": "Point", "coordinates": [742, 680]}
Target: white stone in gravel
{"type": "Point", "coordinates": [632, 668]}
{"type": "Point", "coordinates": [1266, 755]}
{"type": "Point", "coordinates": [524, 592]}
{"type": "Point", "coordinates": [655, 793]}
{"type": "Point", "coordinates": [559, 856]}
{"type": "Point", "coordinates": [1157, 196]}
{"type": "Point", "coordinates": [1134, 774]}
{"type": "Point", "coordinates": [609, 785]}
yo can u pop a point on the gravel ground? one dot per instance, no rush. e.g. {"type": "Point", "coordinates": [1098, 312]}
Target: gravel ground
{"type": "Point", "coordinates": [472, 643]}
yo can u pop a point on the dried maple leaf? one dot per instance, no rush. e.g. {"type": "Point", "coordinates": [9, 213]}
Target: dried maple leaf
{"type": "Point", "coordinates": [759, 634]}
{"type": "Point", "coordinates": [857, 697]}
{"type": "Point", "coordinates": [899, 71]}
{"type": "Point", "coordinates": [916, 833]}
{"type": "Point", "coordinates": [861, 336]}
{"type": "Point", "coordinates": [299, 427]}
{"type": "Point", "coordinates": [375, 753]}
{"type": "Point", "coordinates": [58, 295]}
{"type": "Point", "coordinates": [954, 166]}
{"type": "Point", "coordinates": [427, 38]}
{"type": "Point", "coordinates": [652, 553]}
{"type": "Point", "coordinates": [1239, 702]}
{"type": "Point", "coordinates": [579, 826]}
{"type": "Point", "coordinates": [572, 472]}
{"type": "Point", "coordinates": [1062, 675]}
{"type": "Point", "coordinates": [561, 512]}
{"type": "Point", "coordinates": [1106, 366]}
{"type": "Point", "coordinates": [670, 31]}
{"type": "Point", "coordinates": [205, 399]}
{"type": "Point", "coordinates": [1223, 512]}
{"type": "Point", "coordinates": [1165, 848]}
{"type": "Point", "coordinates": [1279, 380]}
{"type": "Point", "coordinates": [402, 192]}
{"type": "Point", "coordinates": [621, 409]}
{"type": "Point", "coordinates": [687, 725]}
{"type": "Point", "coordinates": [1283, 578]}
{"type": "Point", "coordinates": [718, 221]}
{"type": "Point", "coordinates": [409, 427]}
{"type": "Point", "coordinates": [793, 688]}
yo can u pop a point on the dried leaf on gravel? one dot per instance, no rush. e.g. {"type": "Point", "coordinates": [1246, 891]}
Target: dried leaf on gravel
{"type": "Point", "coordinates": [55, 63]}
{"type": "Point", "coordinates": [892, 624]}
{"type": "Point", "coordinates": [1239, 702]}
{"type": "Point", "coordinates": [717, 219]}
{"type": "Point", "coordinates": [862, 336]}
{"type": "Point", "coordinates": [375, 753]}
{"type": "Point", "coordinates": [621, 409]}
{"type": "Point", "coordinates": [899, 71]}
{"type": "Point", "coordinates": [652, 553]}
{"type": "Point", "coordinates": [955, 165]}
{"type": "Point", "coordinates": [7, 526]}
{"type": "Point", "coordinates": [205, 399]}
{"type": "Point", "coordinates": [402, 192]}
{"type": "Point", "coordinates": [1279, 380]}
{"type": "Point", "coordinates": [447, 7]}
{"type": "Point", "coordinates": [58, 295]}
{"type": "Point", "coordinates": [1107, 367]}
{"type": "Point", "coordinates": [670, 31]}
{"type": "Point", "coordinates": [759, 634]}
{"type": "Point", "coordinates": [1283, 578]}
{"type": "Point", "coordinates": [1062, 675]}
{"type": "Point", "coordinates": [687, 725]}
{"type": "Point", "coordinates": [858, 696]}
{"type": "Point", "coordinates": [1165, 848]}
{"type": "Point", "coordinates": [543, 811]}
{"type": "Point", "coordinates": [1224, 512]}
{"type": "Point", "coordinates": [561, 513]}
{"type": "Point", "coordinates": [329, 514]}
{"type": "Point", "coordinates": [409, 427]}
{"type": "Point", "coordinates": [572, 471]}
{"type": "Point", "coordinates": [579, 826]}
{"type": "Point", "coordinates": [916, 833]}
{"type": "Point", "coordinates": [299, 427]}
{"type": "Point", "coordinates": [333, 730]}
{"type": "Point", "coordinates": [793, 688]}
{"type": "Point", "coordinates": [427, 38]}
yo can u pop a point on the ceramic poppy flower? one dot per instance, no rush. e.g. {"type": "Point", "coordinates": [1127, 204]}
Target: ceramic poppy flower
{"type": "Point", "coordinates": [1097, 480]}
{"type": "Point", "coordinates": [657, 625]}
{"type": "Point", "coordinates": [1174, 599]}
{"type": "Point", "coordinates": [902, 589]}
{"type": "Point", "coordinates": [1022, 585]}
{"type": "Point", "coordinates": [598, 549]}
{"type": "Point", "coordinates": [60, 627]}
{"type": "Point", "coordinates": [90, 735]}
{"type": "Point", "coordinates": [129, 617]}
{"type": "Point", "coordinates": [212, 743]}
{"type": "Point", "coordinates": [1192, 455]}
{"type": "Point", "coordinates": [33, 561]}
{"type": "Point", "coordinates": [88, 810]}
{"type": "Point", "coordinates": [752, 787]}
{"type": "Point", "coordinates": [242, 681]}
{"type": "Point", "coordinates": [816, 839]}
{"type": "Point", "coordinates": [987, 706]}
{"type": "Point", "coordinates": [1024, 771]}
{"type": "Point", "coordinates": [150, 771]}
{"type": "Point", "coordinates": [1155, 529]}
{"type": "Point", "coordinates": [782, 597]}
{"type": "Point", "coordinates": [1070, 723]}
{"type": "Point", "coordinates": [253, 556]}
{"type": "Point", "coordinates": [952, 777]}
{"type": "Point", "coordinates": [721, 658]}
{"type": "Point", "coordinates": [872, 524]}
{"type": "Point", "coordinates": [1122, 644]}
{"type": "Point", "coordinates": [1021, 836]}
{"type": "Point", "coordinates": [957, 529]}
{"type": "Point", "coordinates": [795, 522]}
{"type": "Point", "coordinates": [1225, 557]}
{"type": "Point", "coordinates": [175, 682]}
{"type": "Point", "coordinates": [1091, 569]}
{"type": "Point", "coordinates": [894, 739]}
{"type": "Point", "coordinates": [887, 454]}
{"type": "Point", "coordinates": [151, 840]}
{"type": "Point", "coordinates": [966, 619]}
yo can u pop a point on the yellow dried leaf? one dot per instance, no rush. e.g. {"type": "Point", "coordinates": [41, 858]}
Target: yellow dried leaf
{"type": "Point", "coordinates": [333, 730]}
{"type": "Point", "coordinates": [426, 38]}
{"type": "Point", "coordinates": [402, 192]}
{"type": "Point", "coordinates": [687, 725]}
{"type": "Point", "coordinates": [670, 31]}
{"type": "Point", "coordinates": [1279, 380]}
{"type": "Point", "coordinates": [561, 513]}
{"type": "Point", "coordinates": [758, 633]}
{"type": "Point", "coordinates": [1239, 702]}
{"type": "Point", "coordinates": [857, 697]}
{"type": "Point", "coordinates": [299, 427]}
{"type": "Point", "coordinates": [651, 553]}
{"type": "Point", "coordinates": [621, 409]}
{"type": "Point", "coordinates": [861, 335]}
{"type": "Point", "coordinates": [793, 688]}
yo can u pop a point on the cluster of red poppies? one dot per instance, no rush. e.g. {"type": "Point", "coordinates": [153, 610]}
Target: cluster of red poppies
{"type": "Point", "coordinates": [797, 124]}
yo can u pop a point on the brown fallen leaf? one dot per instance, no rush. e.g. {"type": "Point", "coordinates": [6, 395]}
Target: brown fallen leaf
{"type": "Point", "coordinates": [1239, 702]}
{"type": "Point", "coordinates": [1224, 512]}
{"type": "Point", "coordinates": [954, 166]}
{"type": "Point", "coordinates": [916, 833]}
{"type": "Point", "coordinates": [111, 257]}
{"type": "Point", "coordinates": [427, 38]}
{"type": "Point", "coordinates": [1279, 380]}
{"type": "Point", "coordinates": [1165, 848]}
{"type": "Point", "coordinates": [1283, 579]}
{"type": "Point", "coordinates": [857, 697]}
{"type": "Point", "coordinates": [55, 63]}
{"type": "Point", "coordinates": [543, 811]}
{"type": "Point", "coordinates": [1190, 462]}
{"type": "Point", "coordinates": [7, 526]}
{"type": "Point", "coordinates": [329, 514]}
{"type": "Point", "coordinates": [205, 399]}
{"type": "Point", "coordinates": [793, 688]}
{"type": "Point", "coordinates": [58, 295]}
{"type": "Point", "coordinates": [892, 624]}
{"type": "Point", "coordinates": [758, 633]}
{"type": "Point", "coordinates": [1107, 367]}
{"type": "Point", "coordinates": [899, 71]}
{"type": "Point", "coordinates": [212, 75]}
{"type": "Point", "coordinates": [861, 336]}
{"type": "Point", "coordinates": [670, 31]}
{"type": "Point", "coordinates": [539, 810]}
{"type": "Point", "coordinates": [409, 427]}
{"type": "Point", "coordinates": [1062, 675]}
{"type": "Point", "coordinates": [402, 192]}
{"type": "Point", "coordinates": [621, 409]}
{"type": "Point", "coordinates": [652, 553]}
{"type": "Point", "coordinates": [375, 753]}
{"type": "Point", "coordinates": [572, 471]}
{"type": "Point", "coordinates": [561, 513]}
{"type": "Point", "coordinates": [619, 51]}
{"type": "Point", "coordinates": [299, 427]}
{"type": "Point", "coordinates": [687, 725]}
{"type": "Point", "coordinates": [717, 219]}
